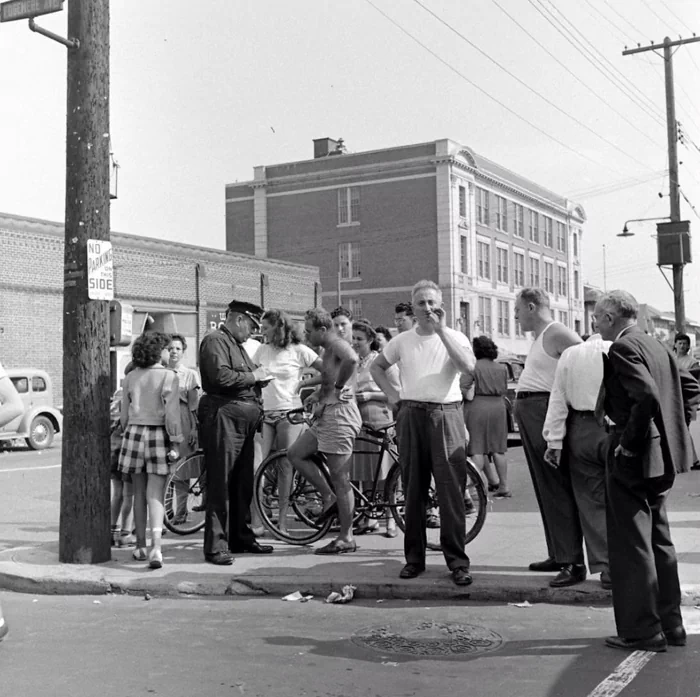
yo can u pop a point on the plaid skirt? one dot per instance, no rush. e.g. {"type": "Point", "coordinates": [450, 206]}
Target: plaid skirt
{"type": "Point", "coordinates": [144, 448]}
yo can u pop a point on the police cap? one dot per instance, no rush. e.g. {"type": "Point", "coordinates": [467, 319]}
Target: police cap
{"type": "Point", "coordinates": [251, 310]}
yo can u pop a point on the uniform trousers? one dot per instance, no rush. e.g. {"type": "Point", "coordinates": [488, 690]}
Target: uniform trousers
{"type": "Point", "coordinates": [227, 429]}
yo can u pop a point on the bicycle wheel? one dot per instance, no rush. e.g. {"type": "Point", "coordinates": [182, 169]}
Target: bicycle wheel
{"type": "Point", "coordinates": [475, 492]}
{"type": "Point", "coordinates": [294, 522]}
{"type": "Point", "coordinates": [185, 489]}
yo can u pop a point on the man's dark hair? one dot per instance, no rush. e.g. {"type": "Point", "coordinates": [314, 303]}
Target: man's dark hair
{"type": "Point", "coordinates": [484, 348]}
{"type": "Point", "coordinates": [406, 308]}
{"type": "Point", "coordinates": [319, 318]}
{"type": "Point", "coordinates": [681, 337]}
{"type": "Point", "coordinates": [148, 347]}
{"type": "Point", "coordinates": [181, 339]}
{"type": "Point", "coordinates": [341, 311]}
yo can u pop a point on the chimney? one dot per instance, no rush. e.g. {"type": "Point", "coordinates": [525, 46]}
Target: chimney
{"type": "Point", "coordinates": [323, 147]}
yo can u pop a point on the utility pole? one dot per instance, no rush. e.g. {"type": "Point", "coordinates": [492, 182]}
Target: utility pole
{"type": "Point", "coordinates": [674, 193]}
{"type": "Point", "coordinates": [84, 535]}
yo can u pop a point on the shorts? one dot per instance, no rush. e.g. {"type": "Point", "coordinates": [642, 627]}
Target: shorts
{"type": "Point", "coordinates": [337, 427]}
{"type": "Point", "coordinates": [272, 418]}
{"type": "Point", "coordinates": [144, 449]}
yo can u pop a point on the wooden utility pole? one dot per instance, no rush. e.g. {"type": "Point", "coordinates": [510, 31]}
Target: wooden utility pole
{"type": "Point", "coordinates": [674, 188]}
{"type": "Point", "coordinates": [84, 523]}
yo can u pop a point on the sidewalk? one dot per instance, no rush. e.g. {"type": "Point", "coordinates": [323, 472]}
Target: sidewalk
{"type": "Point", "coordinates": [500, 555]}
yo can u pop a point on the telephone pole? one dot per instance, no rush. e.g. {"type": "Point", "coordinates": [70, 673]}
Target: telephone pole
{"type": "Point", "coordinates": [84, 535]}
{"type": "Point", "coordinates": [674, 193]}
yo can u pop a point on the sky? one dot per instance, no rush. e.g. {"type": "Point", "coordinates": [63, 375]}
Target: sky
{"type": "Point", "coordinates": [202, 91]}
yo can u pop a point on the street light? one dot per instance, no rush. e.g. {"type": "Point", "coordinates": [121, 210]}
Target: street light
{"type": "Point", "coordinates": [625, 230]}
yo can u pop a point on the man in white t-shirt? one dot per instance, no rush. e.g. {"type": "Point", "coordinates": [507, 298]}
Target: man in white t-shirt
{"type": "Point", "coordinates": [430, 427]}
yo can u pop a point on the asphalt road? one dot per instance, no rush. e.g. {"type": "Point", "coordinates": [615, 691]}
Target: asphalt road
{"type": "Point", "coordinates": [127, 647]}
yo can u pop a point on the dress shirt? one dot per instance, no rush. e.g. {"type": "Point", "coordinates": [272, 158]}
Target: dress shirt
{"type": "Point", "coordinates": [577, 382]}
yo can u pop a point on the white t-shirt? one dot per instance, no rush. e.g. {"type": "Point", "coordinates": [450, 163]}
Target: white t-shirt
{"type": "Point", "coordinates": [427, 371]}
{"type": "Point", "coordinates": [251, 347]}
{"type": "Point", "coordinates": [286, 365]}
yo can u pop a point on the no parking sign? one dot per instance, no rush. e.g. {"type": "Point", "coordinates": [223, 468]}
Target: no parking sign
{"type": "Point", "coordinates": [100, 270]}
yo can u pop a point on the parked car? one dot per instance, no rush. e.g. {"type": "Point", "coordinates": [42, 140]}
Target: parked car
{"type": "Point", "coordinates": [515, 366]}
{"type": "Point", "coordinates": [41, 420]}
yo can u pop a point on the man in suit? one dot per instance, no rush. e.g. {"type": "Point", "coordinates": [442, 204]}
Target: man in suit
{"type": "Point", "coordinates": [646, 396]}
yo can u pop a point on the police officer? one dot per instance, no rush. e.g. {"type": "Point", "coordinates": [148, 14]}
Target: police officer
{"type": "Point", "coordinates": [229, 414]}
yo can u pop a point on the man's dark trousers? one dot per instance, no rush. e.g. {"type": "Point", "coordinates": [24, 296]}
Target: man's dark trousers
{"type": "Point", "coordinates": [643, 565]}
{"type": "Point", "coordinates": [227, 430]}
{"type": "Point", "coordinates": [555, 497]}
{"type": "Point", "coordinates": [432, 440]}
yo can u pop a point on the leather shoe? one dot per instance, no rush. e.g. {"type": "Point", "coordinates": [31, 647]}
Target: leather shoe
{"type": "Point", "coordinates": [461, 576]}
{"type": "Point", "coordinates": [253, 548]}
{"type": "Point", "coordinates": [676, 636]}
{"type": "Point", "coordinates": [656, 643]}
{"type": "Point", "coordinates": [605, 580]}
{"type": "Point", "coordinates": [411, 571]}
{"type": "Point", "coordinates": [219, 558]}
{"type": "Point", "coordinates": [570, 575]}
{"type": "Point", "coordinates": [548, 565]}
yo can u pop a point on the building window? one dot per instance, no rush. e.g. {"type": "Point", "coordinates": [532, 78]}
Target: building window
{"type": "Point", "coordinates": [519, 217]}
{"type": "Point", "coordinates": [518, 269]}
{"type": "Point", "coordinates": [485, 314]}
{"type": "Point", "coordinates": [462, 202]}
{"type": "Point", "coordinates": [503, 318]}
{"type": "Point", "coordinates": [534, 227]}
{"type": "Point", "coordinates": [576, 293]}
{"type": "Point", "coordinates": [564, 317]}
{"type": "Point", "coordinates": [355, 307]}
{"type": "Point", "coordinates": [534, 273]}
{"type": "Point", "coordinates": [349, 205]}
{"type": "Point", "coordinates": [482, 206]}
{"type": "Point", "coordinates": [463, 253]}
{"type": "Point", "coordinates": [548, 237]}
{"type": "Point", "coordinates": [502, 265]}
{"type": "Point", "coordinates": [349, 260]}
{"type": "Point", "coordinates": [549, 277]}
{"type": "Point", "coordinates": [483, 259]}
{"type": "Point", "coordinates": [575, 236]}
{"type": "Point", "coordinates": [561, 281]}
{"type": "Point", "coordinates": [561, 237]}
{"type": "Point", "coordinates": [501, 214]}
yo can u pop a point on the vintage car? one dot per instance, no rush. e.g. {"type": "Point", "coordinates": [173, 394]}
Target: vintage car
{"type": "Point", "coordinates": [41, 420]}
{"type": "Point", "coordinates": [515, 366]}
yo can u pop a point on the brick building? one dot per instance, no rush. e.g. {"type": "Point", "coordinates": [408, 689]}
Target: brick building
{"type": "Point", "coordinates": [183, 287]}
{"type": "Point", "coordinates": [376, 222]}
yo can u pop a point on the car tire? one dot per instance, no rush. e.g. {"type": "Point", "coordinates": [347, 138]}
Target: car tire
{"type": "Point", "coordinates": [41, 433]}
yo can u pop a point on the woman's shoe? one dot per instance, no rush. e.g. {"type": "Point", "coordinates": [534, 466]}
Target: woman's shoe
{"type": "Point", "coordinates": [140, 554]}
{"type": "Point", "coordinates": [502, 495]}
{"type": "Point", "coordinates": [391, 532]}
{"type": "Point", "coordinates": [126, 539]}
{"type": "Point", "coordinates": [155, 559]}
{"type": "Point", "coordinates": [366, 527]}
{"type": "Point", "coordinates": [493, 487]}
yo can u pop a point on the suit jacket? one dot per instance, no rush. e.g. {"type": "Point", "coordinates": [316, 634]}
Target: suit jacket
{"type": "Point", "coordinates": [647, 396]}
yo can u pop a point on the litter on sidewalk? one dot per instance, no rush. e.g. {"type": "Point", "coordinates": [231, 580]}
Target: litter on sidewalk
{"type": "Point", "coordinates": [298, 597]}
{"type": "Point", "coordinates": [345, 596]}
{"type": "Point", "coordinates": [525, 603]}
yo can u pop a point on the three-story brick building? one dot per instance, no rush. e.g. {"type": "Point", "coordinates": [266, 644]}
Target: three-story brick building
{"type": "Point", "coordinates": [376, 222]}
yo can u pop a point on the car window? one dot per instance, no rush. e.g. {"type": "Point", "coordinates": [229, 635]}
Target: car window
{"type": "Point", "coordinates": [38, 384]}
{"type": "Point", "coordinates": [21, 385]}
{"type": "Point", "coordinates": [516, 369]}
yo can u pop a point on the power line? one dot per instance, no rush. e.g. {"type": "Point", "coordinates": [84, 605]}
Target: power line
{"type": "Point", "coordinates": [528, 87]}
{"type": "Point", "coordinates": [574, 75]}
{"type": "Point", "coordinates": [656, 14]}
{"type": "Point", "coordinates": [487, 94]}
{"type": "Point", "coordinates": [606, 191]}
{"type": "Point", "coordinates": [687, 200]}
{"type": "Point", "coordinates": [673, 14]}
{"type": "Point", "coordinates": [637, 31]}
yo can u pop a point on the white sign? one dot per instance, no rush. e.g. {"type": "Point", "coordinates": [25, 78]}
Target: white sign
{"type": "Point", "coordinates": [100, 270]}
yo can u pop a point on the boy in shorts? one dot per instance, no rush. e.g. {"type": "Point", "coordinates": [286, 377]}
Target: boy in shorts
{"type": "Point", "coordinates": [337, 424]}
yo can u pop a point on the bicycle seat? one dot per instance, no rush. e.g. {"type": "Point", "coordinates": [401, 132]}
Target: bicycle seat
{"type": "Point", "coordinates": [378, 431]}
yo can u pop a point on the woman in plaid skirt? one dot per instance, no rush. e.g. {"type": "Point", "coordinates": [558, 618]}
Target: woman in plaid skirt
{"type": "Point", "coordinates": [150, 418]}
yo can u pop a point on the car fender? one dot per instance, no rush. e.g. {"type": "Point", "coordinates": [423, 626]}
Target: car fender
{"type": "Point", "coordinates": [53, 414]}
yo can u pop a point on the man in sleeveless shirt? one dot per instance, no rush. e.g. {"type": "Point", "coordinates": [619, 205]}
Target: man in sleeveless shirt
{"type": "Point", "coordinates": [555, 498]}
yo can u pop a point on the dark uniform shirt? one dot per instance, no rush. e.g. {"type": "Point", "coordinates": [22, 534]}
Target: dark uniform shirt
{"type": "Point", "coordinates": [226, 368]}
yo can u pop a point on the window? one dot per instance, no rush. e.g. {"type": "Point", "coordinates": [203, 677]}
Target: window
{"type": "Point", "coordinates": [349, 205]}
{"type": "Point", "coordinates": [534, 227]}
{"type": "Point", "coordinates": [38, 384]}
{"type": "Point", "coordinates": [519, 330]}
{"type": "Point", "coordinates": [483, 259]}
{"type": "Point", "coordinates": [549, 277]}
{"type": "Point", "coordinates": [576, 293]}
{"type": "Point", "coordinates": [355, 306]}
{"type": "Point", "coordinates": [463, 253]}
{"type": "Point", "coordinates": [501, 214]}
{"type": "Point", "coordinates": [564, 317]}
{"type": "Point", "coordinates": [349, 259]}
{"type": "Point", "coordinates": [485, 314]}
{"type": "Point", "coordinates": [519, 217]}
{"type": "Point", "coordinates": [548, 240]}
{"type": "Point", "coordinates": [482, 206]}
{"type": "Point", "coordinates": [561, 281]}
{"type": "Point", "coordinates": [561, 237]}
{"type": "Point", "coordinates": [502, 266]}
{"type": "Point", "coordinates": [575, 236]}
{"type": "Point", "coordinates": [503, 318]}
{"type": "Point", "coordinates": [518, 269]}
{"type": "Point", "coordinates": [462, 202]}
{"type": "Point", "coordinates": [534, 273]}
{"type": "Point", "coordinates": [21, 385]}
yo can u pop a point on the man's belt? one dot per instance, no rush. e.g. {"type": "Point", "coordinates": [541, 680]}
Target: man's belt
{"type": "Point", "coordinates": [445, 406]}
{"type": "Point", "coordinates": [527, 395]}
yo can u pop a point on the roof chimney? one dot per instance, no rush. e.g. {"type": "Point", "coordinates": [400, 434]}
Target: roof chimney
{"type": "Point", "coordinates": [323, 147]}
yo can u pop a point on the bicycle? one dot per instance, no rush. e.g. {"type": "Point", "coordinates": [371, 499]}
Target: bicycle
{"type": "Point", "coordinates": [185, 491]}
{"type": "Point", "coordinates": [304, 503]}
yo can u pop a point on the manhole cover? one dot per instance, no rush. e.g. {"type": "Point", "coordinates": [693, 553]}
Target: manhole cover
{"type": "Point", "coordinates": [428, 638]}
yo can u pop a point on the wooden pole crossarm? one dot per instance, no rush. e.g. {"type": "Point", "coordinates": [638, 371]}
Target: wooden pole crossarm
{"type": "Point", "coordinates": [657, 47]}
